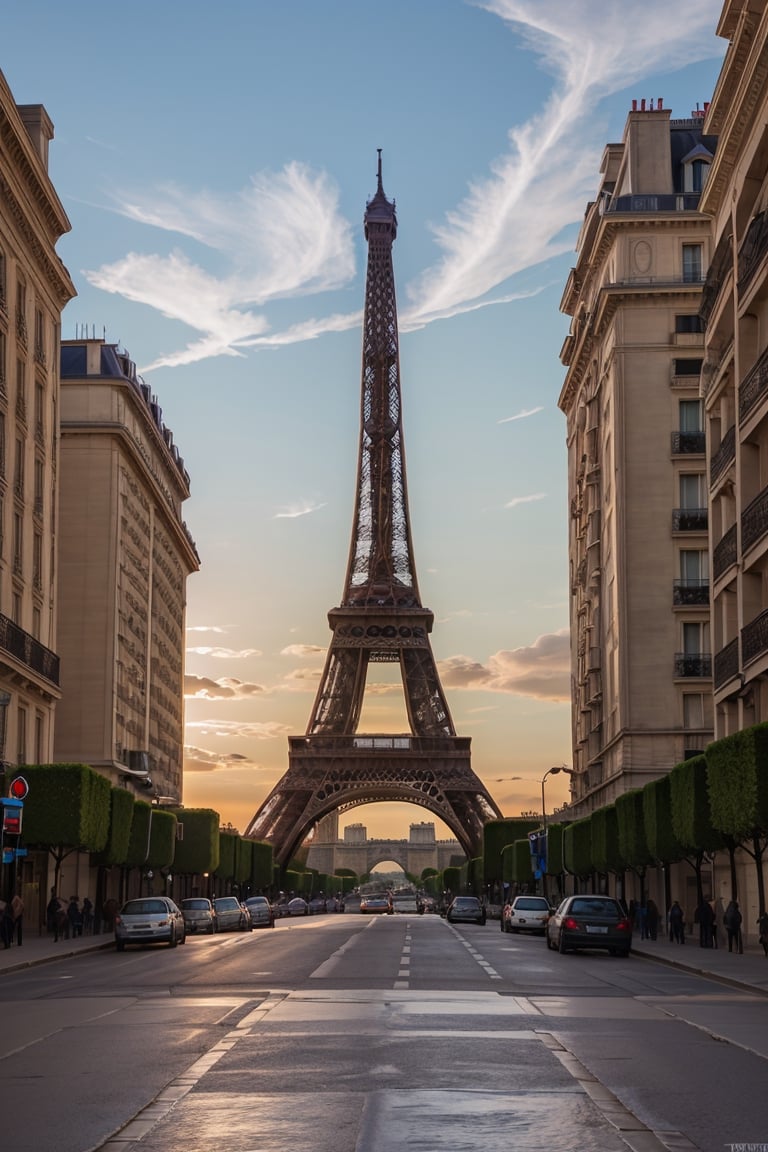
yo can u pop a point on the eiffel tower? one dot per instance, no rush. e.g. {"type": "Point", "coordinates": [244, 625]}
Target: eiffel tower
{"type": "Point", "coordinates": [381, 620]}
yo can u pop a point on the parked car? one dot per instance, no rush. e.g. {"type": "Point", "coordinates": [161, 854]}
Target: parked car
{"type": "Point", "coordinates": [465, 910]}
{"type": "Point", "coordinates": [376, 905]}
{"type": "Point", "coordinates": [199, 915]}
{"type": "Point", "coordinates": [261, 912]}
{"type": "Point", "coordinates": [298, 907]}
{"type": "Point", "coordinates": [590, 922]}
{"type": "Point", "coordinates": [526, 914]}
{"type": "Point", "coordinates": [405, 905]}
{"type": "Point", "coordinates": [149, 920]}
{"type": "Point", "coordinates": [231, 915]}
{"type": "Point", "coordinates": [318, 905]}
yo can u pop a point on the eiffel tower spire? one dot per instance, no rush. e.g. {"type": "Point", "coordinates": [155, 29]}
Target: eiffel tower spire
{"type": "Point", "coordinates": [380, 620]}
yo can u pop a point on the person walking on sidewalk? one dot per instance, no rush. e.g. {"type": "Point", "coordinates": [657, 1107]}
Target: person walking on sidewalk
{"type": "Point", "coordinates": [677, 924]}
{"type": "Point", "coordinates": [762, 927]}
{"type": "Point", "coordinates": [17, 912]}
{"type": "Point", "coordinates": [732, 922]}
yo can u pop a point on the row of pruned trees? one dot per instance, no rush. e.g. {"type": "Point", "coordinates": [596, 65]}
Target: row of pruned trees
{"type": "Point", "coordinates": [711, 802]}
{"type": "Point", "coordinates": [71, 808]}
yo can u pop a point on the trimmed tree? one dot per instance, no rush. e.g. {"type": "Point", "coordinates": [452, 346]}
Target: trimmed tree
{"type": "Point", "coordinates": [737, 781]}
{"type": "Point", "coordinates": [606, 856]}
{"type": "Point", "coordinates": [262, 865]}
{"type": "Point", "coordinates": [67, 810]}
{"type": "Point", "coordinates": [497, 834]}
{"type": "Point", "coordinates": [152, 842]}
{"type": "Point", "coordinates": [198, 850]}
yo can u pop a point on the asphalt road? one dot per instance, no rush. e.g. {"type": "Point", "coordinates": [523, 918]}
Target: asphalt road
{"type": "Point", "coordinates": [369, 1034]}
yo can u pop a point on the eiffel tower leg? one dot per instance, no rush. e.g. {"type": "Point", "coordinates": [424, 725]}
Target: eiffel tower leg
{"type": "Point", "coordinates": [427, 707]}
{"type": "Point", "coordinates": [339, 699]}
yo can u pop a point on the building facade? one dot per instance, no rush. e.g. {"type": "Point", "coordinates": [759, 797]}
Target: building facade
{"type": "Point", "coordinates": [124, 558]}
{"type": "Point", "coordinates": [34, 287]}
{"type": "Point", "coordinates": [637, 482]}
{"type": "Point", "coordinates": [735, 379]}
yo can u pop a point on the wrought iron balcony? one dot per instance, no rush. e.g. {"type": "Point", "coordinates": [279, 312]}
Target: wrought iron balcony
{"type": "Point", "coordinates": [664, 202]}
{"type": "Point", "coordinates": [727, 663]}
{"type": "Point", "coordinates": [29, 651]}
{"type": "Point", "coordinates": [689, 519]}
{"type": "Point", "coordinates": [753, 248]}
{"type": "Point", "coordinates": [724, 553]}
{"type": "Point", "coordinates": [724, 456]}
{"type": "Point", "coordinates": [754, 520]}
{"type": "Point", "coordinates": [719, 268]}
{"type": "Point", "coordinates": [754, 637]}
{"type": "Point", "coordinates": [694, 664]}
{"type": "Point", "coordinates": [690, 592]}
{"type": "Point", "coordinates": [753, 387]}
{"type": "Point", "coordinates": [685, 443]}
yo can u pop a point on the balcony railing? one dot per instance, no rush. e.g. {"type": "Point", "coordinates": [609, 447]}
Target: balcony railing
{"type": "Point", "coordinates": [695, 664]}
{"type": "Point", "coordinates": [753, 387]}
{"type": "Point", "coordinates": [685, 443]}
{"type": "Point", "coordinates": [718, 270]}
{"type": "Point", "coordinates": [727, 663]}
{"type": "Point", "coordinates": [689, 519]}
{"type": "Point", "coordinates": [29, 651]}
{"type": "Point", "coordinates": [724, 553]}
{"type": "Point", "coordinates": [690, 592]}
{"type": "Point", "coordinates": [753, 247]}
{"type": "Point", "coordinates": [754, 520]}
{"type": "Point", "coordinates": [724, 456]}
{"type": "Point", "coordinates": [754, 638]}
{"type": "Point", "coordinates": [665, 202]}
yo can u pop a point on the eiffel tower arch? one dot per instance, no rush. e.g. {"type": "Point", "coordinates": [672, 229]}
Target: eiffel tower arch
{"type": "Point", "coordinates": [381, 619]}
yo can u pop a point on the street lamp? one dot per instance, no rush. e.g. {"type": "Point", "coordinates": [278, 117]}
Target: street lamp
{"type": "Point", "coordinates": [549, 772]}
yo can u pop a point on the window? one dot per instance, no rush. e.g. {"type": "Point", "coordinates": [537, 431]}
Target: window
{"type": "Point", "coordinates": [691, 416]}
{"type": "Point", "coordinates": [692, 323]}
{"type": "Point", "coordinates": [3, 273]}
{"type": "Point", "coordinates": [695, 638]}
{"type": "Point", "coordinates": [21, 310]}
{"type": "Point", "coordinates": [693, 710]}
{"type": "Point", "coordinates": [39, 488]}
{"type": "Point", "coordinates": [693, 492]}
{"type": "Point", "coordinates": [18, 469]}
{"type": "Point", "coordinates": [39, 410]}
{"type": "Point", "coordinates": [21, 736]}
{"type": "Point", "coordinates": [18, 550]}
{"type": "Point", "coordinates": [40, 757]}
{"type": "Point", "coordinates": [694, 565]}
{"type": "Point", "coordinates": [37, 621]}
{"type": "Point", "coordinates": [21, 390]}
{"type": "Point", "coordinates": [2, 445]}
{"type": "Point", "coordinates": [39, 336]}
{"type": "Point", "coordinates": [37, 561]}
{"type": "Point", "coordinates": [3, 356]}
{"type": "Point", "coordinates": [16, 608]}
{"type": "Point", "coordinates": [692, 263]}
{"type": "Point", "coordinates": [686, 367]}
{"type": "Point", "coordinates": [699, 171]}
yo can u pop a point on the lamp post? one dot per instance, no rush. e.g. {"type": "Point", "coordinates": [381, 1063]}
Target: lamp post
{"type": "Point", "coordinates": [549, 772]}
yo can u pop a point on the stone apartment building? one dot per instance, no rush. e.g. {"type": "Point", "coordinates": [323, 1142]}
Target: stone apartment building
{"type": "Point", "coordinates": [735, 378]}
{"type": "Point", "coordinates": [125, 556]}
{"type": "Point", "coordinates": [34, 287]}
{"type": "Point", "coordinates": [637, 475]}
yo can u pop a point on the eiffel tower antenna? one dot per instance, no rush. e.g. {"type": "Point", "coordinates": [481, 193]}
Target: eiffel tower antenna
{"type": "Point", "coordinates": [380, 620]}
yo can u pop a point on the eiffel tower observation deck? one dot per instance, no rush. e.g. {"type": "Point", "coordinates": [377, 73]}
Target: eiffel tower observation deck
{"type": "Point", "coordinates": [381, 619]}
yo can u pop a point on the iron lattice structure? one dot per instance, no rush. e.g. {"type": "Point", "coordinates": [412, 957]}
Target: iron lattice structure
{"type": "Point", "coordinates": [381, 620]}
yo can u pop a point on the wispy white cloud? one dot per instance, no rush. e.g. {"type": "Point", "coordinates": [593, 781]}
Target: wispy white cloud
{"type": "Point", "coordinates": [245, 728]}
{"type": "Point", "coordinates": [282, 236]}
{"type": "Point", "coordinates": [541, 670]}
{"type": "Point", "coordinates": [293, 511]}
{"type": "Point", "coordinates": [521, 415]}
{"type": "Point", "coordinates": [227, 688]}
{"type": "Point", "coordinates": [517, 500]}
{"type": "Point", "coordinates": [484, 240]}
{"type": "Point", "coordinates": [205, 628]}
{"type": "Point", "coordinates": [224, 653]}
{"type": "Point", "coordinates": [202, 760]}
{"type": "Point", "coordinates": [302, 650]}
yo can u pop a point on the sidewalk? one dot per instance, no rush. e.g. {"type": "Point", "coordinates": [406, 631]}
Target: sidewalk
{"type": "Point", "coordinates": [40, 949]}
{"type": "Point", "coordinates": [748, 971]}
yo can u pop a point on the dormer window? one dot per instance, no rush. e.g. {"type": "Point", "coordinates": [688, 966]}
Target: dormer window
{"type": "Point", "coordinates": [696, 168]}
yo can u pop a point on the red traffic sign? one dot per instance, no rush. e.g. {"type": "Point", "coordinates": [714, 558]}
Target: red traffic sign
{"type": "Point", "coordinates": [19, 788]}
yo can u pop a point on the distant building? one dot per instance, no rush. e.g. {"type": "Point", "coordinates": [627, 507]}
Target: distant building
{"type": "Point", "coordinates": [637, 484]}
{"type": "Point", "coordinates": [125, 555]}
{"type": "Point", "coordinates": [735, 381]}
{"type": "Point", "coordinates": [34, 287]}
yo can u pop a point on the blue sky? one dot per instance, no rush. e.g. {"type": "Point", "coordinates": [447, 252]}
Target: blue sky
{"type": "Point", "coordinates": [215, 161]}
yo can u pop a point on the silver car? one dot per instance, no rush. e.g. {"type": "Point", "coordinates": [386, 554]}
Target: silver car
{"type": "Point", "coordinates": [231, 915]}
{"type": "Point", "coordinates": [149, 920]}
{"type": "Point", "coordinates": [261, 912]}
{"type": "Point", "coordinates": [199, 915]}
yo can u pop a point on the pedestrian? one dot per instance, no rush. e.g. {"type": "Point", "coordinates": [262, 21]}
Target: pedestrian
{"type": "Point", "coordinates": [642, 920]}
{"type": "Point", "coordinates": [705, 924]}
{"type": "Point", "coordinates": [74, 917]}
{"type": "Point", "coordinates": [6, 924]}
{"type": "Point", "coordinates": [87, 916]}
{"type": "Point", "coordinates": [652, 919]}
{"type": "Point", "coordinates": [762, 925]}
{"type": "Point", "coordinates": [732, 922]}
{"type": "Point", "coordinates": [677, 923]}
{"type": "Point", "coordinates": [17, 912]}
{"type": "Point", "coordinates": [713, 906]}
{"type": "Point", "coordinates": [53, 915]}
